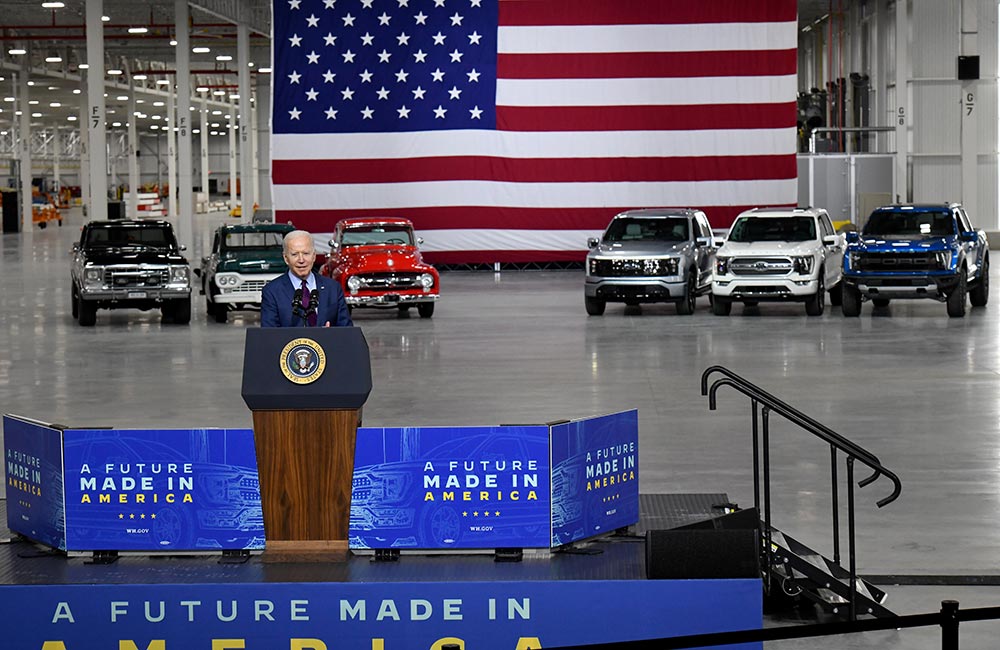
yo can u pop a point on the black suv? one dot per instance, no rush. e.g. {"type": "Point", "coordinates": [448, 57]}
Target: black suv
{"type": "Point", "coordinates": [135, 264]}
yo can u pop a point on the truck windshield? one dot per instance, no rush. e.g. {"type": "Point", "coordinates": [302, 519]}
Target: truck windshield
{"type": "Point", "coordinates": [910, 224]}
{"type": "Point", "coordinates": [377, 235]}
{"type": "Point", "coordinates": [628, 229]}
{"type": "Point", "coordinates": [146, 236]}
{"type": "Point", "coordinates": [750, 229]}
{"type": "Point", "coordinates": [254, 239]}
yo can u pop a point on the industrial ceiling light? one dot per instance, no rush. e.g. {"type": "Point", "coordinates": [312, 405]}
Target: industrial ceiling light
{"type": "Point", "coordinates": [137, 30]}
{"type": "Point", "coordinates": [162, 82]}
{"type": "Point", "coordinates": [77, 91]}
{"type": "Point", "coordinates": [114, 71]}
{"type": "Point", "coordinates": [201, 89]}
{"type": "Point", "coordinates": [16, 51]}
{"type": "Point", "coordinates": [201, 49]}
{"type": "Point", "coordinates": [53, 5]}
{"type": "Point", "coordinates": [105, 18]}
{"type": "Point", "coordinates": [71, 118]}
{"type": "Point", "coordinates": [83, 66]}
{"type": "Point", "coordinates": [173, 42]}
{"type": "Point", "coordinates": [54, 104]}
{"type": "Point", "coordinates": [219, 92]}
{"type": "Point", "coordinates": [264, 70]}
{"type": "Point", "coordinates": [122, 98]}
{"type": "Point", "coordinates": [223, 57]}
{"type": "Point", "coordinates": [53, 57]}
{"type": "Point", "coordinates": [139, 77]}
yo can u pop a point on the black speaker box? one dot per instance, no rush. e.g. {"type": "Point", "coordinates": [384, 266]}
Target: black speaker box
{"type": "Point", "coordinates": [706, 549]}
{"type": "Point", "coordinates": [968, 67]}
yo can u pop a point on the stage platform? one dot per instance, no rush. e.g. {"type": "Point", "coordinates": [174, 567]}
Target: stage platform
{"type": "Point", "coordinates": [195, 601]}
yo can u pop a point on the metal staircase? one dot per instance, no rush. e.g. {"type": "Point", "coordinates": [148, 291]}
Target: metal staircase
{"type": "Point", "coordinates": [792, 567]}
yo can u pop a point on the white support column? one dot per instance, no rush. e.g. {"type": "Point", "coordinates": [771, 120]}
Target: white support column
{"type": "Point", "coordinates": [56, 146]}
{"type": "Point", "coordinates": [247, 195]}
{"type": "Point", "coordinates": [902, 117]}
{"type": "Point", "coordinates": [232, 155]}
{"type": "Point", "coordinates": [171, 154]}
{"type": "Point", "coordinates": [204, 145]}
{"type": "Point", "coordinates": [84, 148]}
{"type": "Point", "coordinates": [184, 193]}
{"type": "Point", "coordinates": [970, 112]}
{"type": "Point", "coordinates": [24, 148]}
{"type": "Point", "coordinates": [98, 208]}
{"type": "Point", "coordinates": [133, 155]}
{"type": "Point", "coordinates": [255, 167]}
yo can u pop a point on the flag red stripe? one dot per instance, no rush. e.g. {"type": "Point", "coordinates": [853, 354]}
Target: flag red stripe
{"type": "Point", "coordinates": [646, 118]}
{"type": "Point", "coordinates": [490, 257]}
{"type": "Point", "coordinates": [533, 170]}
{"type": "Point", "coordinates": [623, 65]}
{"type": "Point", "coordinates": [643, 12]}
{"type": "Point", "coordinates": [460, 217]}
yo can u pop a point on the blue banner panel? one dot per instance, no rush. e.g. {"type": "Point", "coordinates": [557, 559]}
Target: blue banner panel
{"type": "Point", "coordinates": [162, 490]}
{"type": "Point", "coordinates": [451, 487]}
{"type": "Point", "coordinates": [595, 476]}
{"type": "Point", "coordinates": [369, 616]}
{"type": "Point", "coordinates": [33, 460]}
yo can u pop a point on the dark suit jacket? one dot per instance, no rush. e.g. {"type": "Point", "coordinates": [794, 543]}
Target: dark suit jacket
{"type": "Point", "coordinates": [276, 304]}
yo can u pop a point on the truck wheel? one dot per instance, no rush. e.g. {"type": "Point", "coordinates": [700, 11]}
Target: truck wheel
{"type": "Point", "coordinates": [721, 306]}
{"type": "Point", "coordinates": [74, 305]}
{"type": "Point", "coordinates": [980, 294]}
{"type": "Point", "coordinates": [87, 312]}
{"type": "Point", "coordinates": [850, 301]}
{"type": "Point", "coordinates": [425, 309]}
{"type": "Point", "coordinates": [595, 307]}
{"type": "Point", "coordinates": [836, 294]}
{"type": "Point", "coordinates": [880, 302]}
{"type": "Point", "coordinates": [956, 299]}
{"type": "Point", "coordinates": [685, 306]}
{"type": "Point", "coordinates": [815, 304]}
{"type": "Point", "coordinates": [220, 312]}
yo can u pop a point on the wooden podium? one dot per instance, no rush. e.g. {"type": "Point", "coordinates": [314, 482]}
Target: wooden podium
{"type": "Point", "coordinates": [305, 386]}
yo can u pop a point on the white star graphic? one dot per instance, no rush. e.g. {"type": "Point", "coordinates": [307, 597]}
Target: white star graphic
{"type": "Point", "coordinates": [295, 40]}
{"type": "Point", "coordinates": [439, 38]}
{"type": "Point", "coordinates": [383, 56]}
{"type": "Point", "coordinates": [473, 76]}
{"type": "Point", "coordinates": [382, 93]}
{"type": "Point", "coordinates": [402, 75]}
{"type": "Point", "coordinates": [456, 56]}
{"type": "Point", "coordinates": [294, 4]}
{"type": "Point", "coordinates": [474, 38]}
{"type": "Point", "coordinates": [329, 76]}
{"type": "Point", "coordinates": [475, 111]}
{"type": "Point", "coordinates": [367, 39]}
{"type": "Point", "coordinates": [420, 56]}
{"type": "Point", "coordinates": [347, 93]}
{"type": "Point", "coordinates": [456, 20]}
{"type": "Point", "coordinates": [418, 93]}
{"type": "Point", "coordinates": [331, 114]}
{"type": "Point", "coordinates": [312, 20]}
{"type": "Point", "coordinates": [330, 39]}
{"type": "Point", "coordinates": [475, 3]}
{"type": "Point", "coordinates": [403, 38]}
{"type": "Point", "coordinates": [311, 95]}
{"type": "Point", "coordinates": [367, 4]}
{"type": "Point", "coordinates": [294, 77]}
{"type": "Point", "coordinates": [437, 75]}
{"type": "Point", "coordinates": [348, 20]}
{"type": "Point", "coordinates": [329, 3]}
{"type": "Point", "coordinates": [439, 112]}
{"type": "Point", "coordinates": [438, 3]}
{"type": "Point", "coordinates": [294, 113]}
{"type": "Point", "coordinates": [367, 113]}
{"type": "Point", "coordinates": [384, 19]}
{"type": "Point", "coordinates": [366, 77]}
{"type": "Point", "coordinates": [313, 57]}
{"type": "Point", "coordinates": [348, 56]}
{"type": "Point", "coordinates": [454, 93]}
{"type": "Point", "coordinates": [421, 18]}
{"type": "Point", "coordinates": [403, 111]}
{"type": "Point", "coordinates": [404, 3]}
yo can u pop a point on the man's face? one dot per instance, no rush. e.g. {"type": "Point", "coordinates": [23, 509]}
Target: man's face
{"type": "Point", "coordinates": [300, 256]}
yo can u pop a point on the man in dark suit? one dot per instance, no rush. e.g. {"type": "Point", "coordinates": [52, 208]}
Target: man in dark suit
{"type": "Point", "coordinates": [301, 298]}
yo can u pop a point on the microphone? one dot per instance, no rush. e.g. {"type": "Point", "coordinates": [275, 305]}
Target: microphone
{"type": "Point", "coordinates": [297, 310]}
{"type": "Point", "coordinates": [297, 304]}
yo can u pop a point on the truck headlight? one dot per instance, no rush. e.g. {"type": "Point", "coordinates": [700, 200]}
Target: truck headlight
{"type": "Point", "coordinates": [854, 260]}
{"type": "Point", "coordinates": [179, 274]}
{"type": "Point", "coordinates": [427, 281]}
{"type": "Point", "coordinates": [227, 279]}
{"type": "Point", "coordinates": [943, 259]}
{"type": "Point", "coordinates": [722, 265]}
{"type": "Point", "coordinates": [802, 265]}
{"type": "Point", "coordinates": [93, 275]}
{"type": "Point", "coordinates": [661, 267]}
{"type": "Point", "coordinates": [353, 283]}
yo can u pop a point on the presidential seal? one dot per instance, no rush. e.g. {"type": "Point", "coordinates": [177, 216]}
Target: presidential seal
{"type": "Point", "coordinates": [302, 361]}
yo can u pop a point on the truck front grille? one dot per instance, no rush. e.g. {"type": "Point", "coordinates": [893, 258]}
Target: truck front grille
{"type": "Point", "coordinates": [898, 262]}
{"type": "Point", "coordinates": [760, 266]}
{"type": "Point", "coordinates": [632, 268]}
{"type": "Point", "coordinates": [127, 277]}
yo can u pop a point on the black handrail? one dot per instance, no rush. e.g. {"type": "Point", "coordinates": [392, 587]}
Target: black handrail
{"type": "Point", "coordinates": [837, 442]}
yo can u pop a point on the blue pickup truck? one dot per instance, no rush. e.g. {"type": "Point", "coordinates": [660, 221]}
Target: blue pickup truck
{"type": "Point", "coordinates": [917, 251]}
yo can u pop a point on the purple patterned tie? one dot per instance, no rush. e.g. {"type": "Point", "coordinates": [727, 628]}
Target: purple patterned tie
{"type": "Point", "coordinates": [311, 318]}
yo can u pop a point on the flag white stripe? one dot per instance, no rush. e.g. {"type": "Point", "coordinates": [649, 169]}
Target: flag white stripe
{"type": "Point", "coordinates": [673, 91]}
{"type": "Point", "coordinates": [392, 196]}
{"type": "Point", "coordinates": [513, 144]}
{"type": "Point", "coordinates": [554, 39]}
{"type": "Point", "coordinates": [462, 239]}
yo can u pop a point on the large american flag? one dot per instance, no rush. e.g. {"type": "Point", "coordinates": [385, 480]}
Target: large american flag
{"type": "Point", "coordinates": [511, 131]}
